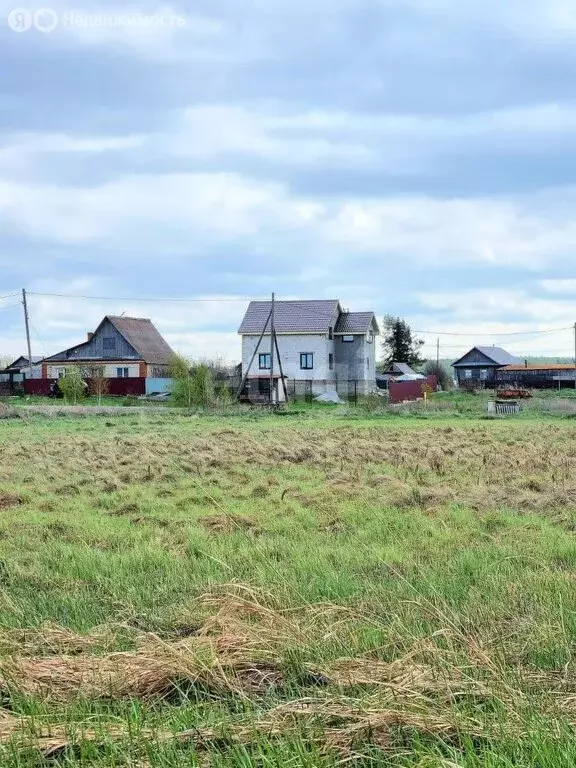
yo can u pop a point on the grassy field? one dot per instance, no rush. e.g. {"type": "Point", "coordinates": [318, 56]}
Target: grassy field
{"type": "Point", "coordinates": [312, 589]}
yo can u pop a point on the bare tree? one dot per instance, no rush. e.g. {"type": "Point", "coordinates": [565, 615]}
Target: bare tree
{"type": "Point", "coordinates": [98, 384]}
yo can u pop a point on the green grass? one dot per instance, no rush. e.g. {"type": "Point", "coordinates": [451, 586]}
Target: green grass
{"type": "Point", "coordinates": [435, 539]}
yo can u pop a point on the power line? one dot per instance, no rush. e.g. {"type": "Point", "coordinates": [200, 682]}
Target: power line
{"type": "Point", "coordinates": [8, 296]}
{"type": "Point", "coordinates": [510, 333]}
{"type": "Point", "coordinates": [9, 306]}
{"type": "Point", "coordinates": [135, 298]}
{"type": "Point", "coordinates": [302, 309]}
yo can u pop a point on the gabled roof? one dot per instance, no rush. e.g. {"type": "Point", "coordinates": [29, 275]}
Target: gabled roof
{"type": "Point", "coordinates": [144, 337]}
{"type": "Point", "coordinates": [291, 316]}
{"type": "Point", "coordinates": [22, 362]}
{"type": "Point", "coordinates": [356, 322]}
{"type": "Point", "coordinates": [497, 355]}
{"type": "Point", "coordinates": [139, 332]}
{"type": "Point", "coordinates": [400, 368]}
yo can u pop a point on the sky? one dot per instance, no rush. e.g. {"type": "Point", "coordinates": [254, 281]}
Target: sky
{"type": "Point", "coordinates": [412, 157]}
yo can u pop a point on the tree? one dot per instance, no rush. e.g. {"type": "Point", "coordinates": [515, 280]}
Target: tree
{"type": "Point", "coordinates": [398, 344]}
{"type": "Point", "coordinates": [72, 386]}
{"type": "Point", "coordinates": [98, 384]}
{"type": "Point", "coordinates": [193, 383]}
{"type": "Point", "coordinates": [442, 373]}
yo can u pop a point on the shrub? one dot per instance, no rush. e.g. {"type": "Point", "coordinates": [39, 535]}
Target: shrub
{"type": "Point", "coordinates": [442, 373]}
{"type": "Point", "coordinates": [193, 384]}
{"type": "Point", "coordinates": [72, 386]}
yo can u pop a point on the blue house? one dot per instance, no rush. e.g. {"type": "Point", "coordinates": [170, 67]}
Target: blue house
{"type": "Point", "coordinates": [480, 364]}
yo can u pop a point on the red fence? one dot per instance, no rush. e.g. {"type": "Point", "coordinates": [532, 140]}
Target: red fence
{"type": "Point", "coordinates": [116, 387]}
{"type": "Point", "coordinates": [401, 391]}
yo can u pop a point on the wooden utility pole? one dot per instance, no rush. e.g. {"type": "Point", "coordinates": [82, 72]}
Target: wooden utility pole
{"type": "Point", "coordinates": [257, 347]}
{"type": "Point", "coordinates": [27, 324]}
{"type": "Point", "coordinates": [272, 351]}
{"type": "Point", "coordinates": [280, 367]}
{"type": "Point", "coordinates": [574, 355]}
{"type": "Point", "coordinates": [438, 352]}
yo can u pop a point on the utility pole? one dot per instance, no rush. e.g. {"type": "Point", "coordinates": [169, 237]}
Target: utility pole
{"type": "Point", "coordinates": [574, 355]}
{"type": "Point", "coordinates": [27, 324]}
{"type": "Point", "coordinates": [272, 351]}
{"type": "Point", "coordinates": [438, 352]}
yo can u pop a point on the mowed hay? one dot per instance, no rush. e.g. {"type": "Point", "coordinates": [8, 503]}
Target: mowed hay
{"type": "Point", "coordinates": [240, 650]}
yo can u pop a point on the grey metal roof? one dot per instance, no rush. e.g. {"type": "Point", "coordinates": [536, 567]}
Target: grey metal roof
{"type": "Point", "coordinates": [314, 316]}
{"type": "Point", "coordinates": [402, 368]}
{"type": "Point", "coordinates": [145, 338]}
{"type": "Point", "coordinates": [22, 362]}
{"type": "Point", "coordinates": [355, 322]}
{"type": "Point", "coordinates": [498, 355]}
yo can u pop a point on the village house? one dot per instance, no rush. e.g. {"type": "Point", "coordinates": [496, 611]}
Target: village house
{"type": "Point", "coordinates": [319, 343]}
{"type": "Point", "coordinates": [12, 377]}
{"type": "Point", "coordinates": [124, 348]}
{"type": "Point", "coordinates": [479, 365]}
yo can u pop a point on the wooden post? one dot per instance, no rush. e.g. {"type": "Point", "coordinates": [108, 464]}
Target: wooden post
{"type": "Point", "coordinates": [280, 368]}
{"type": "Point", "coordinates": [272, 351]}
{"type": "Point", "coordinates": [245, 376]}
{"type": "Point", "coordinates": [27, 325]}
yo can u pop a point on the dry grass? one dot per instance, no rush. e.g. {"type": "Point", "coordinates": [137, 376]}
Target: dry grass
{"type": "Point", "coordinates": [398, 595]}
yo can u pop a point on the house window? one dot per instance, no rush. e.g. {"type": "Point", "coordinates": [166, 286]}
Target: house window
{"type": "Point", "coordinates": [347, 338]}
{"type": "Point", "coordinates": [467, 373]}
{"type": "Point", "coordinates": [306, 361]}
{"type": "Point", "coordinates": [264, 362]}
{"type": "Point", "coordinates": [122, 373]}
{"type": "Point", "coordinates": [109, 343]}
{"type": "Point", "coordinates": [367, 362]}
{"type": "Point", "coordinates": [61, 372]}
{"type": "Point", "coordinates": [484, 374]}
{"type": "Point", "coordinates": [330, 361]}
{"type": "Point", "coordinates": [330, 333]}
{"type": "Point", "coordinates": [370, 336]}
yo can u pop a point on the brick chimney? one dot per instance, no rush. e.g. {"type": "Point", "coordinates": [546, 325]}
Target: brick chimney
{"type": "Point", "coordinates": [90, 335]}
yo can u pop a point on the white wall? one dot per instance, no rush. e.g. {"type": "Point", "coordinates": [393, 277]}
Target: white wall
{"type": "Point", "coordinates": [291, 346]}
{"type": "Point", "coordinates": [109, 370]}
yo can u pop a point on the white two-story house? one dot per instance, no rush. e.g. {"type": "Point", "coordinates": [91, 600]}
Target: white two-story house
{"type": "Point", "coordinates": [318, 341]}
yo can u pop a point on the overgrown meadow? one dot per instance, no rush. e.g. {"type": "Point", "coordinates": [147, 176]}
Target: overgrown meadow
{"type": "Point", "coordinates": [297, 590]}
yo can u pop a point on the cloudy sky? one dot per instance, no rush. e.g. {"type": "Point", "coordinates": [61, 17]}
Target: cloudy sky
{"type": "Point", "coordinates": [415, 157]}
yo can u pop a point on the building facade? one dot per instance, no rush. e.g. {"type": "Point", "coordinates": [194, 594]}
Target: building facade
{"type": "Point", "coordinates": [120, 348]}
{"type": "Point", "coordinates": [480, 364]}
{"type": "Point", "coordinates": [318, 342]}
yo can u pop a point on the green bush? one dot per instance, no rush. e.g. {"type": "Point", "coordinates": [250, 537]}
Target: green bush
{"type": "Point", "coordinates": [193, 384]}
{"type": "Point", "coordinates": [72, 386]}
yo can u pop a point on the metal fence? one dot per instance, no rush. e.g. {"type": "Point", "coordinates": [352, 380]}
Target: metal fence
{"type": "Point", "coordinates": [307, 389]}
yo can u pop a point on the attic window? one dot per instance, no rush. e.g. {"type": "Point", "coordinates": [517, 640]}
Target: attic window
{"type": "Point", "coordinates": [109, 343]}
{"type": "Point", "coordinates": [347, 338]}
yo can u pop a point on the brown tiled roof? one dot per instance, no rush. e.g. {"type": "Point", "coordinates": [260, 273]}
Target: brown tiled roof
{"type": "Point", "coordinates": [540, 367]}
{"type": "Point", "coordinates": [145, 338]}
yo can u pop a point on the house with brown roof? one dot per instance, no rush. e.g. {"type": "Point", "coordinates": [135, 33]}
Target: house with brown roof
{"type": "Point", "coordinates": [124, 347]}
{"type": "Point", "coordinates": [318, 341]}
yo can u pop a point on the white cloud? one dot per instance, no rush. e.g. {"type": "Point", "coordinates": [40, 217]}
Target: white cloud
{"type": "Point", "coordinates": [559, 285]}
